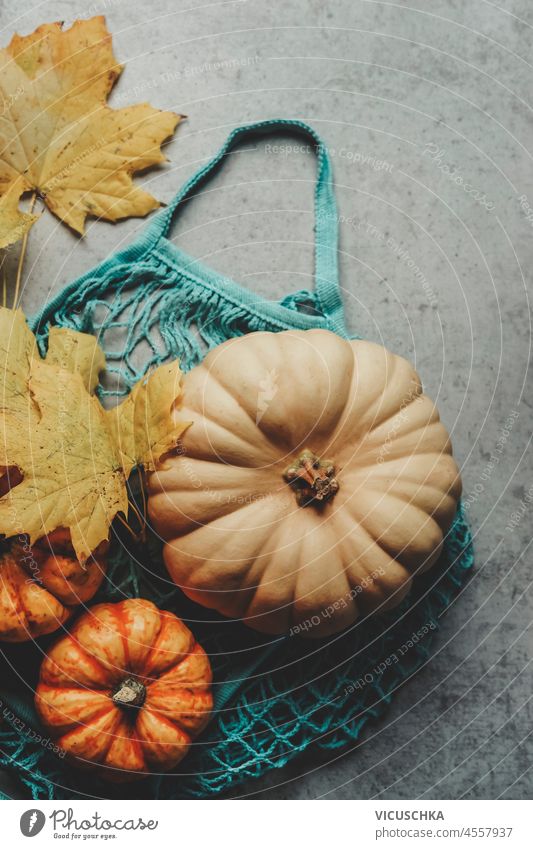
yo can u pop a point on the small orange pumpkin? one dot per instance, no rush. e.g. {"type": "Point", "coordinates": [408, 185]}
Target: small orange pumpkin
{"type": "Point", "coordinates": [126, 691]}
{"type": "Point", "coordinates": [41, 584]}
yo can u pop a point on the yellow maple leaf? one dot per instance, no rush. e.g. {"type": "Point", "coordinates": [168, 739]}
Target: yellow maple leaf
{"type": "Point", "coordinates": [59, 137]}
{"type": "Point", "coordinates": [73, 456]}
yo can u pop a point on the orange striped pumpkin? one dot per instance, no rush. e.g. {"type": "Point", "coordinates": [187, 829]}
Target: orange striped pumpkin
{"type": "Point", "coordinates": [126, 691]}
{"type": "Point", "coordinates": [42, 584]}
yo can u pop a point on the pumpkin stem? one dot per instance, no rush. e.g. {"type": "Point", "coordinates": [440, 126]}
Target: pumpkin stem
{"type": "Point", "coordinates": [130, 693]}
{"type": "Point", "coordinates": [312, 479]}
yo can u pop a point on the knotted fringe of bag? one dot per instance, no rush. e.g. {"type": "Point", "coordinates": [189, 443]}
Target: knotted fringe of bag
{"type": "Point", "coordinates": [161, 313]}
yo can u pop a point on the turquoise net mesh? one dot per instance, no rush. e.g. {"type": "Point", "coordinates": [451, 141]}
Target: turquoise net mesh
{"type": "Point", "coordinates": [274, 698]}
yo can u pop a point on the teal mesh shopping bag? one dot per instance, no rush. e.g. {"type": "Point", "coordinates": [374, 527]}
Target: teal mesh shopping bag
{"type": "Point", "coordinates": [274, 697]}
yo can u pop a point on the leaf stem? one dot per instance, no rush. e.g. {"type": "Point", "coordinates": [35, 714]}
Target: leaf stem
{"type": "Point", "coordinates": [143, 496]}
{"type": "Point", "coordinates": [4, 283]}
{"type": "Point", "coordinates": [22, 255]}
{"type": "Point", "coordinates": [142, 522]}
{"type": "Point", "coordinates": [128, 527]}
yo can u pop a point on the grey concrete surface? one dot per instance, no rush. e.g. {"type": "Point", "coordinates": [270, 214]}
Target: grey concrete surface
{"type": "Point", "coordinates": [436, 269]}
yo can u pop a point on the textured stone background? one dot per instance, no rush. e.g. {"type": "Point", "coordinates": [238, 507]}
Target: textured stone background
{"type": "Point", "coordinates": [430, 88]}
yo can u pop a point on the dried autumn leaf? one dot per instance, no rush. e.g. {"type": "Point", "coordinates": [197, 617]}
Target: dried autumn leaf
{"type": "Point", "coordinates": [74, 457]}
{"type": "Point", "coordinates": [59, 137]}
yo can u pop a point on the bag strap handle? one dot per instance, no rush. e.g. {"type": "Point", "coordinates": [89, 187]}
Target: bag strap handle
{"type": "Point", "coordinates": [326, 220]}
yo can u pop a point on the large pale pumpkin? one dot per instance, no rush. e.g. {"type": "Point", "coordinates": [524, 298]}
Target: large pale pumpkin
{"type": "Point", "coordinates": [41, 584]}
{"type": "Point", "coordinates": [314, 482]}
{"type": "Point", "coordinates": [126, 691]}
